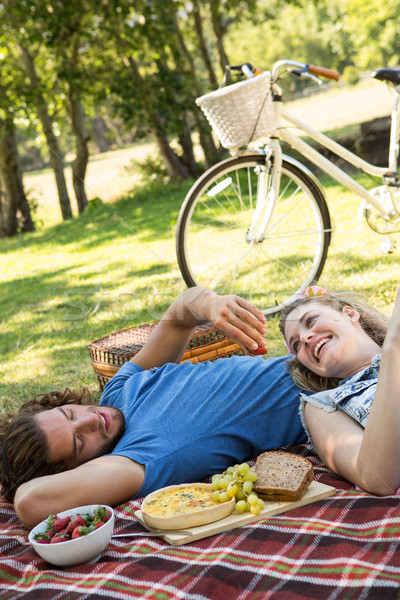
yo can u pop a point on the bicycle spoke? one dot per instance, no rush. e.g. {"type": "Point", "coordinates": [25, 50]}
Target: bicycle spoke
{"type": "Point", "coordinates": [293, 207]}
{"type": "Point", "coordinates": [279, 260]}
{"type": "Point", "coordinates": [219, 204]}
{"type": "Point", "coordinates": [238, 192]}
{"type": "Point", "coordinates": [214, 247]}
{"type": "Point", "coordinates": [235, 271]}
{"type": "Point", "coordinates": [299, 233]}
{"type": "Point", "coordinates": [216, 217]}
{"type": "Point", "coordinates": [212, 222]}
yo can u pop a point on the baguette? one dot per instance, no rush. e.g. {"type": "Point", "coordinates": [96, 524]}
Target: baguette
{"type": "Point", "coordinates": [282, 477]}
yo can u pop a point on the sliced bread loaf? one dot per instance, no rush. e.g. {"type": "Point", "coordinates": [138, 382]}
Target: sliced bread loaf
{"type": "Point", "coordinates": [282, 476]}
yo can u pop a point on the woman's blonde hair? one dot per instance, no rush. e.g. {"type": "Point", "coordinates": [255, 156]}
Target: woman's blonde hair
{"type": "Point", "coordinates": [373, 322]}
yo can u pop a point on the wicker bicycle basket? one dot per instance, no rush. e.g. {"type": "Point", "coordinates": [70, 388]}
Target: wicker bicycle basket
{"type": "Point", "coordinates": [109, 353]}
{"type": "Point", "coordinates": [242, 112]}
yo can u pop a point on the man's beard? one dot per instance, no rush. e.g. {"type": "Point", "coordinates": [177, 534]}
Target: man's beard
{"type": "Point", "coordinates": [110, 444]}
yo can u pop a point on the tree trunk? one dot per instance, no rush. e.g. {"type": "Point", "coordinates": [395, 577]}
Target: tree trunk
{"type": "Point", "coordinates": [198, 27]}
{"type": "Point", "coordinates": [24, 217]}
{"type": "Point", "coordinates": [44, 117]}
{"type": "Point", "coordinates": [210, 151]}
{"type": "Point", "coordinates": [8, 202]}
{"type": "Point", "coordinates": [188, 155]}
{"type": "Point", "coordinates": [175, 167]}
{"type": "Point", "coordinates": [219, 31]}
{"type": "Point", "coordinates": [100, 130]}
{"type": "Point", "coordinates": [14, 207]}
{"type": "Point", "coordinates": [77, 116]}
{"type": "Point", "coordinates": [82, 152]}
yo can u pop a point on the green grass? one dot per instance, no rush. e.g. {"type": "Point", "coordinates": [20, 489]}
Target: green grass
{"type": "Point", "coordinates": [65, 286]}
{"type": "Point", "coordinates": [115, 267]}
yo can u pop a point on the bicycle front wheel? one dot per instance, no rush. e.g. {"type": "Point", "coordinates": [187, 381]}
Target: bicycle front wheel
{"type": "Point", "coordinates": [213, 249]}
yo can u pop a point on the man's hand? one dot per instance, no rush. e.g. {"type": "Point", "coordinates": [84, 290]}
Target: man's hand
{"type": "Point", "coordinates": [234, 316]}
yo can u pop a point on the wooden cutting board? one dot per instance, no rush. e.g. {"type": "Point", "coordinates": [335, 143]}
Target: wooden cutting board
{"type": "Point", "coordinates": [316, 491]}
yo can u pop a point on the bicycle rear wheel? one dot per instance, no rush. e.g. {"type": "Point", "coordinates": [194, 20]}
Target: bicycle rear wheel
{"type": "Point", "coordinates": [212, 248]}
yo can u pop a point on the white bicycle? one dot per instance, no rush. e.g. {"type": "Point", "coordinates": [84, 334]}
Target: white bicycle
{"type": "Point", "coordinates": [258, 224]}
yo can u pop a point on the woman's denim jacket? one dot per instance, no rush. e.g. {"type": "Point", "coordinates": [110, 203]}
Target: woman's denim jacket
{"type": "Point", "coordinates": [354, 395]}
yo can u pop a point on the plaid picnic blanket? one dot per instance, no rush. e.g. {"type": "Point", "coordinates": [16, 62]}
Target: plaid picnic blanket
{"type": "Point", "coordinates": [345, 547]}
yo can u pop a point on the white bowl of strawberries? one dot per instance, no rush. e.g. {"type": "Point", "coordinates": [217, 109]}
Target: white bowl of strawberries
{"type": "Point", "coordinates": [74, 536]}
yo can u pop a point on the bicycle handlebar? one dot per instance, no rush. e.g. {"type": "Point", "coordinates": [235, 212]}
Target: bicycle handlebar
{"type": "Point", "coordinates": [323, 72]}
{"type": "Point", "coordinates": [302, 68]}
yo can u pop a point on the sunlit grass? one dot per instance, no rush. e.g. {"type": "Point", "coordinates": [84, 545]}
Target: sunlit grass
{"type": "Point", "coordinates": [115, 266]}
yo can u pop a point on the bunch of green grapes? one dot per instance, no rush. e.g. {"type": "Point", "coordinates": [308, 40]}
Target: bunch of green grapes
{"type": "Point", "coordinates": [237, 482]}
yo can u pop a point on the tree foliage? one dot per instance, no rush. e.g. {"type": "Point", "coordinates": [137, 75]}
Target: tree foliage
{"type": "Point", "coordinates": [67, 66]}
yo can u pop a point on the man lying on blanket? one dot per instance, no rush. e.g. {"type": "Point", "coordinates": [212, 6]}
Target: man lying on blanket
{"type": "Point", "coordinates": [158, 422]}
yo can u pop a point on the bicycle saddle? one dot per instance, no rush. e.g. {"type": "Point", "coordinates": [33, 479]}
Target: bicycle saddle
{"type": "Point", "coordinates": [392, 75]}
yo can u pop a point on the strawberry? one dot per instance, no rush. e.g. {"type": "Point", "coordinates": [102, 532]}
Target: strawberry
{"type": "Point", "coordinates": [102, 514]}
{"type": "Point", "coordinates": [60, 523]}
{"type": "Point", "coordinates": [77, 532]}
{"type": "Point", "coordinates": [260, 350]}
{"type": "Point", "coordinates": [80, 531]}
{"type": "Point", "coordinates": [43, 538]}
{"type": "Point", "coordinates": [50, 521]}
{"type": "Point", "coordinates": [56, 539]}
{"type": "Point", "coordinates": [75, 522]}
{"type": "Point", "coordinates": [60, 529]}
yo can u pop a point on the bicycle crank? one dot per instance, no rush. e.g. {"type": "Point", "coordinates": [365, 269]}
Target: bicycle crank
{"type": "Point", "coordinates": [376, 221]}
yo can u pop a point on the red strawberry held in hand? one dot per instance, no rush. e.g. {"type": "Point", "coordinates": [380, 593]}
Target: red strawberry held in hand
{"type": "Point", "coordinates": [259, 350]}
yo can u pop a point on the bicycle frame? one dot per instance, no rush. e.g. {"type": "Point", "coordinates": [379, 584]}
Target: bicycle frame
{"type": "Point", "coordinates": [264, 213]}
{"type": "Point", "coordinates": [387, 210]}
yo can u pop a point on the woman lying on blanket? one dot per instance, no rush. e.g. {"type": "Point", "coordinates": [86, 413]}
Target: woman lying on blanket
{"type": "Point", "coordinates": [339, 346]}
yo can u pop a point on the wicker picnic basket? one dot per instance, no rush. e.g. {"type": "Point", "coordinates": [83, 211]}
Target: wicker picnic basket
{"type": "Point", "coordinates": [109, 353]}
{"type": "Point", "coordinates": [242, 112]}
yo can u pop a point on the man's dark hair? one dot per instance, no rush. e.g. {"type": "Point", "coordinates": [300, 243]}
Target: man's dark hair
{"type": "Point", "coordinates": [24, 447]}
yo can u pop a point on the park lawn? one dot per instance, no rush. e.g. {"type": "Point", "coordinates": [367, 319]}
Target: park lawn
{"type": "Point", "coordinates": [62, 287]}
{"type": "Point", "coordinates": [115, 266]}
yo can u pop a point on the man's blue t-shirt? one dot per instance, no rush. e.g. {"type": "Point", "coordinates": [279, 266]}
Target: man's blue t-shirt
{"type": "Point", "coordinates": [185, 422]}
